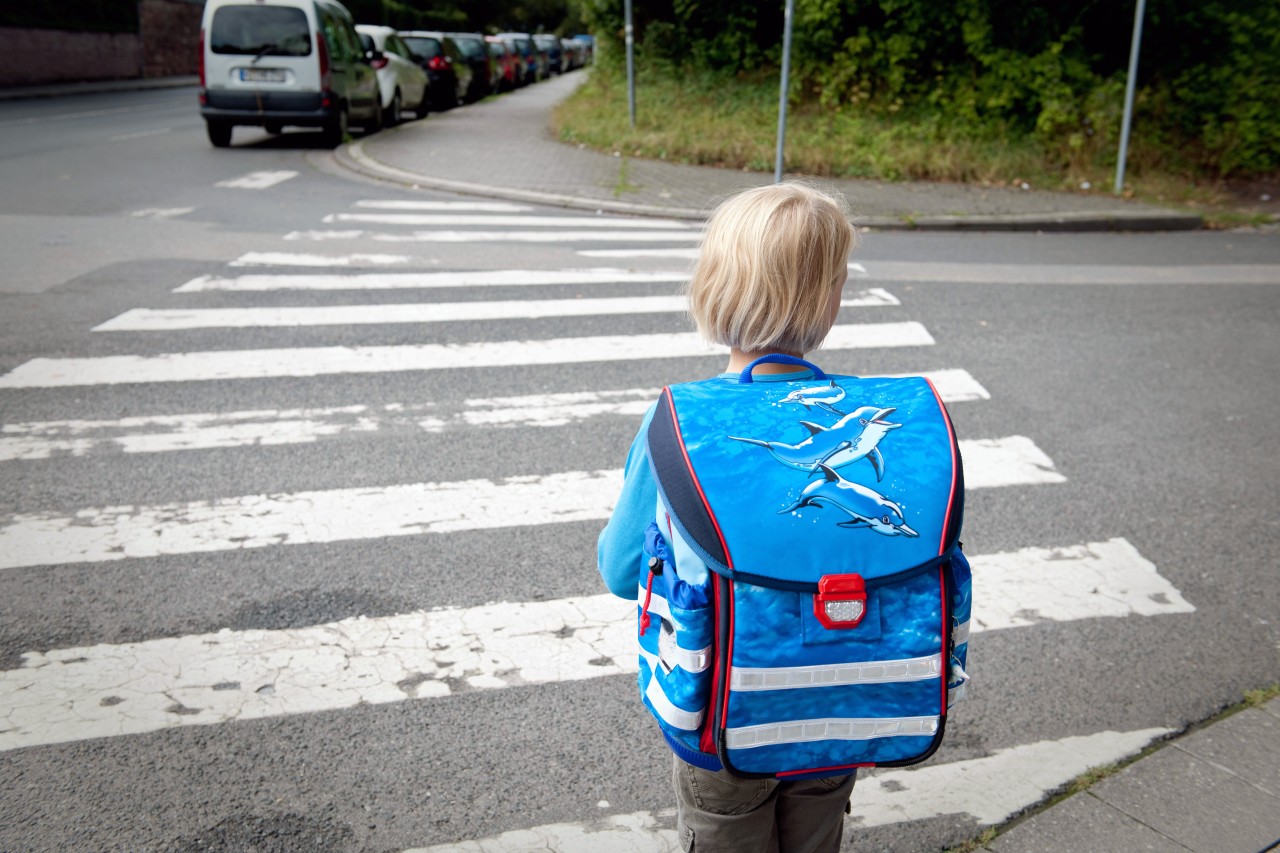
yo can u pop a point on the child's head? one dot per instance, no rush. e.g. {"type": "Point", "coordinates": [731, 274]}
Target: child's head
{"type": "Point", "coordinates": [771, 259]}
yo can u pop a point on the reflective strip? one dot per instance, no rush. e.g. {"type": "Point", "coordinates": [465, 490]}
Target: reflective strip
{"type": "Point", "coordinates": [807, 731]}
{"type": "Point", "coordinates": [867, 672]}
{"type": "Point", "coordinates": [960, 634]}
{"type": "Point", "coordinates": [673, 716]}
{"type": "Point", "coordinates": [657, 603]}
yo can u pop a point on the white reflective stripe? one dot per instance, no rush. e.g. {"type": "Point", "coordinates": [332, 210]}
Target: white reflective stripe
{"type": "Point", "coordinates": [657, 603]}
{"type": "Point", "coordinates": [679, 718]}
{"type": "Point", "coordinates": [960, 634]}
{"type": "Point", "coordinates": [866, 672]}
{"type": "Point", "coordinates": [688, 660]}
{"type": "Point", "coordinates": [806, 731]}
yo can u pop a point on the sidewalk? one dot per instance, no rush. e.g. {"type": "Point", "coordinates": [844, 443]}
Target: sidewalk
{"type": "Point", "coordinates": [501, 148]}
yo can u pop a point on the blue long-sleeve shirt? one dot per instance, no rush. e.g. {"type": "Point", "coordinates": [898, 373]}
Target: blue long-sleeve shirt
{"type": "Point", "coordinates": [619, 550]}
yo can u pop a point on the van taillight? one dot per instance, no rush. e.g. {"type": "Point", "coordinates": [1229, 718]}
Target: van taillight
{"type": "Point", "coordinates": [201, 59]}
{"type": "Point", "coordinates": [323, 50]}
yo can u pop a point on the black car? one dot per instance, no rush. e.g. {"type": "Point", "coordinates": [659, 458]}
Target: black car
{"type": "Point", "coordinates": [448, 74]}
{"type": "Point", "coordinates": [476, 51]}
{"type": "Point", "coordinates": [550, 45]}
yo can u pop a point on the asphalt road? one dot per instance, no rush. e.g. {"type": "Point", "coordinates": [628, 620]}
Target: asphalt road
{"type": "Point", "coordinates": [1152, 406]}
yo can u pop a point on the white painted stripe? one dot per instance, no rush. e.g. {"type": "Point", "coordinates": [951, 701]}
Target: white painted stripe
{"type": "Point", "coordinates": [501, 236]}
{"type": "Point", "coordinates": [834, 728]}
{"type": "Point", "coordinates": [165, 320]}
{"type": "Point", "coordinates": [1000, 460]}
{"type": "Point", "coordinates": [257, 180]}
{"type": "Point", "coordinates": [327, 361]}
{"type": "Point", "coordinates": [495, 220]}
{"type": "Point", "coordinates": [205, 430]}
{"type": "Point", "coordinates": [256, 521]}
{"type": "Point", "coordinates": [293, 259]}
{"type": "Point", "coordinates": [160, 212]}
{"type": "Point", "coordinates": [988, 791]}
{"type": "Point", "coordinates": [682, 254]}
{"type": "Point", "coordinates": [1070, 273]}
{"type": "Point", "coordinates": [103, 690]}
{"type": "Point", "coordinates": [479, 206]}
{"type": "Point", "coordinates": [864, 672]}
{"type": "Point", "coordinates": [403, 280]}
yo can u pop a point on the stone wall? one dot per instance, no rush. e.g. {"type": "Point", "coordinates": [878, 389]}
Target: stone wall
{"type": "Point", "coordinates": [168, 44]}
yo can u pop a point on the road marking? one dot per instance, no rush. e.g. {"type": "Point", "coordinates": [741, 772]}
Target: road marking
{"type": "Point", "coordinates": [329, 361]}
{"type": "Point", "coordinates": [160, 212]}
{"type": "Point", "coordinates": [478, 206]}
{"type": "Point", "coordinates": [141, 134]}
{"type": "Point", "coordinates": [165, 320]}
{"type": "Point", "coordinates": [990, 462]}
{"type": "Point", "coordinates": [502, 236]}
{"type": "Point", "coordinates": [107, 690]}
{"type": "Point", "coordinates": [418, 280]}
{"type": "Point", "coordinates": [292, 259]}
{"type": "Point", "coordinates": [987, 791]}
{"type": "Point", "coordinates": [682, 254]}
{"type": "Point", "coordinates": [257, 180]}
{"type": "Point", "coordinates": [497, 220]}
{"type": "Point", "coordinates": [895, 271]}
{"type": "Point", "coordinates": [103, 534]}
{"type": "Point", "coordinates": [207, 430]}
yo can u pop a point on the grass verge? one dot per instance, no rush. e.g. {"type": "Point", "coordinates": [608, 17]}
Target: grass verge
{"type": "Point", "coordinates": [708, 120]}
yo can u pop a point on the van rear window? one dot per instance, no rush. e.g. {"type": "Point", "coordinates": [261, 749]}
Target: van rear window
{"type": "Point", "coordinates": [260, 31]}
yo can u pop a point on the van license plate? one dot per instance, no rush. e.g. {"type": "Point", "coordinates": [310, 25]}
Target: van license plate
{"type": "Point", "coordinates": [261, 75]}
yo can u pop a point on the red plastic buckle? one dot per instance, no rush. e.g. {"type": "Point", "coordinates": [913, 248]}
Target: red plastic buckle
{"type": "Point", "coordinates": [841, 601]}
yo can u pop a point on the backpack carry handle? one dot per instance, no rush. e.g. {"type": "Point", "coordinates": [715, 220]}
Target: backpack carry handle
{"type": "Point", "coordinates": [779, 358]}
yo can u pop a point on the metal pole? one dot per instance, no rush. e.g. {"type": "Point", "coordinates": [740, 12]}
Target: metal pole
{"type": "Point", "coordinates": [1128, 93]}
{"type": "Point", "coordinates": [631, 66]}
{"type": "Point", "coordinates": [782, 96]}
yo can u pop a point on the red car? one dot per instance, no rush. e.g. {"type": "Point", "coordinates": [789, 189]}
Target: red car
{"type": "Point", "coordinates": [507, 65]}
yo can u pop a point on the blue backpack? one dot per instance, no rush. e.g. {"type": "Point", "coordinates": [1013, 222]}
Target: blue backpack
{"type": "Point", "coordinates": [805, 608]}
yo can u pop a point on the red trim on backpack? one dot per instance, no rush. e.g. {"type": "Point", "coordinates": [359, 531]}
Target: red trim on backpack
{"type": "Point", "coordinates": [951, 496]}
{"type": "Point", "coordinates": [693, 475]}
{"type": "Point", "coordinates": [946, 639]}
{"type": "Point", "coordinates": [707, 741]}
{"type": "Point", "coordinates": [784, 774]}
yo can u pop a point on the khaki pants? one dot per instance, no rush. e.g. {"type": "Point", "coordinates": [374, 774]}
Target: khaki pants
{"type": "Point", "coordinates": [720, 813]}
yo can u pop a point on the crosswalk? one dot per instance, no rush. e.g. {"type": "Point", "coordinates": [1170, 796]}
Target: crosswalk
{"type": "Point", "coordinates": [88, 691]}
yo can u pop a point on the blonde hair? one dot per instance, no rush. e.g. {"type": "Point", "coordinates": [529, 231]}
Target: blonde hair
{"type": "Point", "coordinates": [769, 260]}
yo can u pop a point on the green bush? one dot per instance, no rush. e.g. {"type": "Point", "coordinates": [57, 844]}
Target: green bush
{"type": "Point", "coordinates": [1209, 73]}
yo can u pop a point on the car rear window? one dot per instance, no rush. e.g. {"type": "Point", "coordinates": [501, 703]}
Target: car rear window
{"type": "Point", "coordinates": [260, 31]}
{"type": "Point", "coordinates": [474, 48]}
{"type": "Point", "coordinates": [424, 47]}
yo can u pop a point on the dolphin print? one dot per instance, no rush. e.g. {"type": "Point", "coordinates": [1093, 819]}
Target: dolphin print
{"type": "Point", "coordinates": [853, 437]}
{"type": "Point", "coordinates": [865, 507]}
{"type": "Point", "coordinates": [824, 397]}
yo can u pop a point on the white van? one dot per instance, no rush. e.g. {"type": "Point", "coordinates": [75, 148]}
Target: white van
{"type": "Point", "coordinates": [271, 63]}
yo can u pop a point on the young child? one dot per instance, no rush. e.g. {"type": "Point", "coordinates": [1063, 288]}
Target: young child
{"type": "Point", "coordinates": [768, 279]}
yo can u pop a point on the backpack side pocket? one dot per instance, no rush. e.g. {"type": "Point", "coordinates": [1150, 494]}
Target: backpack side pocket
{"type": "Point", "coordinates": [675, 634]}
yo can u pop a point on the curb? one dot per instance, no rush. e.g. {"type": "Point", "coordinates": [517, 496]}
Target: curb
{"type": "Point", "coordinates": [58, 90]}
{"type": "Point", "coordinates": [353, 158]}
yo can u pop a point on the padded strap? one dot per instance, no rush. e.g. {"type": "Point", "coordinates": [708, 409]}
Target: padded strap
{"type": "Point", "coordinates": [779, 358]}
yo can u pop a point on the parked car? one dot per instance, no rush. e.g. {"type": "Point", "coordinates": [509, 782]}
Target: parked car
{"type": "Point", "coordinates": [507, 65]}
{"type": "Point", "coordinates": [401, 81]}
{"type": "Point", "coordinates": [535, 68]}
{"type": "Point", "coordinates": [274, 63]}
{"type": "Point", "coordinates": [475, 50]}
{"type": "Point", "coordinates": [550, 46]}
{"type": "Point", "coordinates": [448, 74]}
{"type": "Point", "coordinates": [588, 43]}
{"type": "Point", "coordinates": [574, 54]}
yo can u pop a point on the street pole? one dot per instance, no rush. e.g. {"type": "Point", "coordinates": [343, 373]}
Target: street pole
{"type": "Point", "coordinates": [631, 66]}
{"type": "Point", "coordinates": [782, 97]}
{"type": "Point", "coordinates": [1128, 94]}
